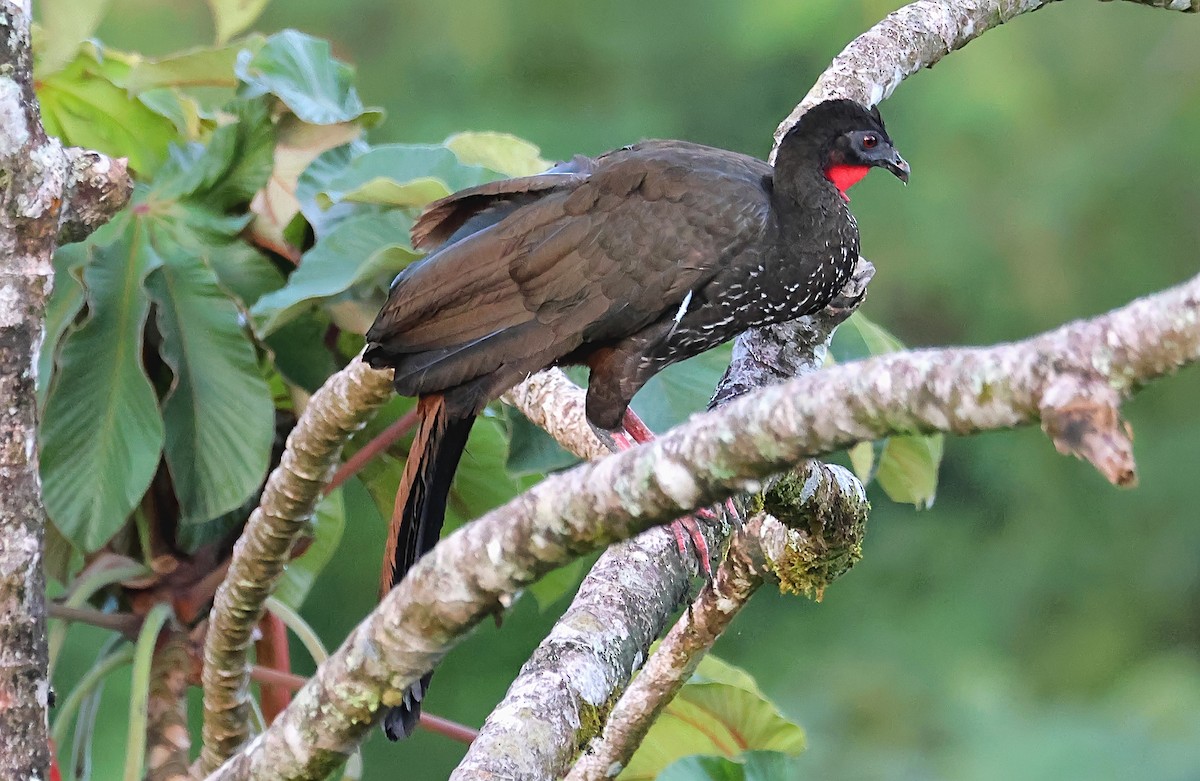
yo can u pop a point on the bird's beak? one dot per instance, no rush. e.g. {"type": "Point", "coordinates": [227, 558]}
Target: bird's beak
{"type": "Point", "coordinates": [898, 166]}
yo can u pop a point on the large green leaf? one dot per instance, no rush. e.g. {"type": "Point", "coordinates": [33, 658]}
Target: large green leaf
{"type": "Point", "coordinates": [905, 467]}
{"type": "Point", "coordinates": [722, 712]}
{"type": "Point", "coordinates": [227, 171]}
{"type": "Point", "coordinates": [366, 248]}
{"type": "Point", "coordinates": [204, 67]}
{"type": "Point", "coordinates": [230, 17]}
{"type": "Point", "coordinates": [301, 71]}
{"type": "Point", "coordinates": [66, 300]}
{"type": "Point", "coordinates": [102, 433]}
{"type": "Point", "coordinates": [908, 469]}
{"type": "Point", "coordinates": [328, 523]}
{"type": "Point", "coordinates": [751, 766]}
{"type": "Point", "coordinates": [218, 414]}
{"type": "Point", "coordinates": [82, 105]}
{"type": "Point", "coordinates": [407, 175]}
{"type": "Point", "coordinates": [64, 24]}
{"type": "Point", "coordinates": [322, 215]}
{"type": "Point", "coordinates": [500, 152]}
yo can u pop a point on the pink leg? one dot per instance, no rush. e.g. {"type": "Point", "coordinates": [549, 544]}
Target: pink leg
{"type": "Point", "coordinates": [634, 430]}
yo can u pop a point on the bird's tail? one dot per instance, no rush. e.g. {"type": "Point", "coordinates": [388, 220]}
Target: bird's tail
{"type": "Point", "coordinates": [417, 521]}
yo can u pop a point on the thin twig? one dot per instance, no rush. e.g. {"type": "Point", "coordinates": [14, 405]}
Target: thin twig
{"type": "Point", "coordinates": [380, 443]}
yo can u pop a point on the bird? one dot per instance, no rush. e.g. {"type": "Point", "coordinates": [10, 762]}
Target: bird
{"type": "Point", "coordinates": [625, 263]}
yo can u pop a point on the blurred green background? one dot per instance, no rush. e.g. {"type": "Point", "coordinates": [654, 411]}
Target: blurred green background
{"type": "Point", "coordinates": [1036, 623]}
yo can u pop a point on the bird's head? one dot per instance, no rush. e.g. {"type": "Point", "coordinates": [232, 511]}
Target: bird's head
{"type": "Point", "coordinates": [842, 140]}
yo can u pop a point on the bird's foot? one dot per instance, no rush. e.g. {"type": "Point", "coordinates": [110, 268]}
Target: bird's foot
{"type": "Point", "coordinates": [688, 528]}
{"type": "Point", "coordinates": [634, 431]}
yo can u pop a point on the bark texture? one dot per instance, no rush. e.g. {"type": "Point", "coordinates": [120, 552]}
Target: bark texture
{"type": "Point", "coordinates": [478, 570]}
{"type": "Point", "coordinates": [167, 738]}
{"type": "Point", "coordinates": [816, 542]}
{"type": "Point", "coordinates": [45, 191]}
{"type": "Point", "coordinates": [341, 407]}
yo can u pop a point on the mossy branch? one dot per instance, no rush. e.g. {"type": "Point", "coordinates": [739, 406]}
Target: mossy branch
{"type": "Point", "coordinates": [479, 569]}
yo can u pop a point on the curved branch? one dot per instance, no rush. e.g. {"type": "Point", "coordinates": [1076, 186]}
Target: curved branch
{"type": "Point", "coordinates": [337, 410]}
{"type": "Point", "coordinates": [481, 566]}
{"type": "Point", "coordinates": [917, 36]}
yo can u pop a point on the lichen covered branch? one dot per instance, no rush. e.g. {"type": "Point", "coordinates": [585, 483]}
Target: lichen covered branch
{"type": "Point", "coordinates": [913, 37]}
{"type": "Point", "coordinates": [341, 407]}
{"type": "Point", "coordinates": [479, 568]}
{"type": "Point", "coordinates": [815, 542]}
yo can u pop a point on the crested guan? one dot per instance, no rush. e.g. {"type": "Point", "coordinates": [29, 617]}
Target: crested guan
{"type": "Point", "coordinates": [625, 263]}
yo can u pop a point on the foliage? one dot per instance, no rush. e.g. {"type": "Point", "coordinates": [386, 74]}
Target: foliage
{"type": "Point", "coordinates": [719, 713]}
{"type": "Point", "coordinates": [1033, 625]}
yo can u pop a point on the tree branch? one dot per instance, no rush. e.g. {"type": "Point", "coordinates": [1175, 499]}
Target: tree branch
{"type": "Point", "coordinates": [338, 409]}
{"type": "Point", "coordinates": [927, 45]}
{"type": "Point", "coordinates": [563, 693]}
{"type": "Point", "coordinates": [822, 542]}
{"type": "Point", "coordinates": [38, 187]}
{"type": "Point", "coordinates": [913, 37]}
{"type": "Point", "coordinates": [480, 567]}
{"type": "Point", "coordinates": [167, 738]}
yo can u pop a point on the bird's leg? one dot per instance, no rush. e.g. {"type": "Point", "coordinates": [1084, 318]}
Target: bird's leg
{"type": "Point", "coordinates": [634, 431]}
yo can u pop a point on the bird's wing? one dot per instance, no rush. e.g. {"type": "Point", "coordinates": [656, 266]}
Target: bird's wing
{"type": "Point", "coordinates": [592, 263]}
{"type": "Point", "coordinates": [475, 208]}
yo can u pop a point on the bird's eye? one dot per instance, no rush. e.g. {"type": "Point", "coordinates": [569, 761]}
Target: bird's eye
{"type": "Point", "coordinates": [870, 142]}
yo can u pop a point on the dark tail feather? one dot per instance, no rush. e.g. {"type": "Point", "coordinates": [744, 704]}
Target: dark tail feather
{"type": "Point", "coordinates": [417, 522]}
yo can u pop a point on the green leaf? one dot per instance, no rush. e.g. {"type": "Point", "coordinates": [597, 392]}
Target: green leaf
{"type": "Point", "coordinates": [243, 271]}
{"type": "Point", "coordinates": [83, 106]}
{"type": "Point", "coordinates": [300, 355]}
{"type": "Point", "coordinates": [228, 170]}
{"type": "Point", "coordinates": [301, 71]}
{"type": "Point", "coordinates": [320, 214]}
{"type": "Point", "coordinates": [182, 112]}
{"type": "Point", "coordinates": [751, 766]}
{"type": "Point", "coordinates": [66, 300]}
{"type": "Point", "coordinates": [64, 25]}
{"type": "Point", "coordinates": [720, 712]}
{"type": "Point", "coordinates": [681, 389]}
{"type": "Point", "coordinates": [102, 433]}
{"type": "Point", "coordinates": [531, 451]}
{"type": "Point", "coordinates": [204, 67]}
{"type": "Point", "coordinates": [301, 573]}
{"type": "Point", "coordinates": [407, 175]}
{"type": "Point", "coordinates": [218, 414]}
{"type": "Point", "coordinates": [905, 467]}
{"type": "Point", "coordinates": [908, 469]}
{"type": "Point", "coordinates": [500, 152]}
{"type": "Point", "coordinates": [232, 16]}
{"type": "Point", "coordinates": [360, 249]}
